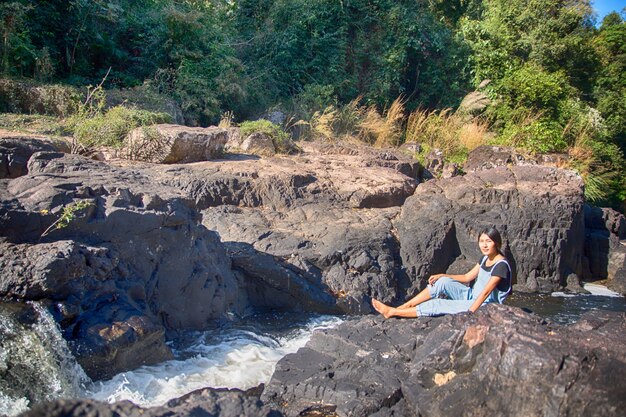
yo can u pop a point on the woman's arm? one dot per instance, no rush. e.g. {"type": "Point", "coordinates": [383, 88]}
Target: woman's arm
{"type": "Point", "coordinates": [465, 278]}
{"type": "Point", "coordinates": [491, 285]}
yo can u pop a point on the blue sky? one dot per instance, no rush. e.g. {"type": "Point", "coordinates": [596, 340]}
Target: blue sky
{"type": "Point", "coordinates": [604, 7]}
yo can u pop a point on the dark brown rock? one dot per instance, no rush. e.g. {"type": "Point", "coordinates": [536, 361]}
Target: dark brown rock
{"type": "Point", "coordinates": [538, 210]}
{"type": "Point", "coordinates": [16, 150]}
{"type": "Point", "coordinates": [205, 402]}
{"type": "Point", "coordinates": [487, 157]}
{"type": "Point", "coordinates": [134, 264]}
{"type": "Point", "coordinates": [605, 247]}
{"type": "Point", "coordinates": [498, 361]}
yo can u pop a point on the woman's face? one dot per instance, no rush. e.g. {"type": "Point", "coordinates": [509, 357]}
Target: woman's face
{"type": "Point", "coordinates": [487, 246]}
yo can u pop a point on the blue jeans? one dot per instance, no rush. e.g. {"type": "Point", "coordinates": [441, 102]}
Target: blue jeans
{"type": "Point", "coordinates": [459, 298]}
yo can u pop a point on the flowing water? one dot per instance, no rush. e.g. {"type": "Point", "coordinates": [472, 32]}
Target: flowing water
{"type": "Point", "coordinates": [565, 308]}
{"type": "Point", "coordinates": [36, 364]}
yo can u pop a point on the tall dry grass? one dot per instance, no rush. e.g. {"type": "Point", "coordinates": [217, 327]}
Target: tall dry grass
{"type": "Point", "coordinates": [443, 129]}
{"type": "Point", "coordinates": [446, 130]}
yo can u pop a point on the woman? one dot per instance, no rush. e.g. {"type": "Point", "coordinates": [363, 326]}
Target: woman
{"type": "Point", "coordinates": [493, 284]}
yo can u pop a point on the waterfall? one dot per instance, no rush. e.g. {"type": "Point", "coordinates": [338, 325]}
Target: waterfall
{"type": "Point", "coordinates": [36, 364]}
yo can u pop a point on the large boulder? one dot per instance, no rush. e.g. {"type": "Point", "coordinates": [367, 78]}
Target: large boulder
{"type": "Point", "coordinates": [487, 157]}
{"type": "Point", "coordinates": [168, 144]}
{"type": "Point", "coordinates": [351, 254]}
{"type": "Point", "coordinates": [326, 213]}
{"type": "Point", "coordinates": [538, 210]}
{"type": "Point", "coordinates": [498, 361]}
{"type": "Point", "coordinates": [605, 247]}
{"type": "Point", "coordinates": [16, 150]}
{"type": "Point", "coordinates": [132, 265]}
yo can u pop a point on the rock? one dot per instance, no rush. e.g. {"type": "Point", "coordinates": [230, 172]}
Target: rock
{"type": "Point", "coordinates": [605, 249]}
{"type": "Point", "coordinates": [276, 284]}
{"type": "Point", "coordinates": [302, 212]}
{"type": "Point", "coordinates": [411, 148]}
{"type": "Point", "coordinates": [450, 170]}
{"type": "Point", "coordinates": [206, 402]}
{"type": "Point", "coordinates": [498, 361]}
{"type": "Point", "coordinates": [349, 254]}
{"type": "Point", "coordinates": [135, 264]}
{"type": "Point", "coordinates": [167, 144]}
{"type": "Point", "coordinates": [15, 150]}
{"type": "Point", "coordinates": [434, 162]}
{"type": "Point", "coordinates": [487, 157]}
{"type": "Point", "coordinates": [618, 283]}
{"type": "Point", "coordinates": [538, 211]}
{"type": "Point", "coordinates": [368, 180]}
{"type": "Point", "coordinates": [258, 144]}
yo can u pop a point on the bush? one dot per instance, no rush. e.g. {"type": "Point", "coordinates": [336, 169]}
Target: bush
{"type": "Point", "coordinates": [532, 87]}
{"type": "Point", "coordinates": [536, 135]}
{"type": "Point", "coordinates": [25, 96]}
{"type": "Point", "coordinates": [110, 128]}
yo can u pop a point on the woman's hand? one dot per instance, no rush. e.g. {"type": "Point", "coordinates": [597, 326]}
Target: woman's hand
{"type": "Point", "coordinates": [434, 278]}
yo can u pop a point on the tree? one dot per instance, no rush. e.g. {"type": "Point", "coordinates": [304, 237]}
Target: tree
{"type": "Point", "coordinates": [610, 87]}
{"type": "Point", "coordinates": [17, 50]}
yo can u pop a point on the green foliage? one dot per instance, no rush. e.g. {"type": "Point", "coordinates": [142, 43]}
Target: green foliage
{"type": "Point", "coordinates": [377, 50]}
{"type": "Point", "coordinates": [610, 88]}
{"type": "Point", "coordinates": [26, 96]}
{"type": "Point", "coordinates": [111, 127]}
{"type": "Point", "coordinates": [536, 136]}
{"type": "Point", "coordinates": [68, 215]}
{"type": "Point", "coordinates": [337, 64]}
{"type": "Point", "coordinates": [553, 34]}
{"type": "Point", "coordinates": [17, 50]}
{"type": "Point", "coordinates": [532, 87]}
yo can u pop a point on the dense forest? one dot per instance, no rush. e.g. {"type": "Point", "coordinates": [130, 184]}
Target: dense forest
{"type": "Point", "coordinates": [555, 78]}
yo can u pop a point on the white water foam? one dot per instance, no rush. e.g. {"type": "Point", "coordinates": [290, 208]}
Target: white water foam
{"type": "Point", "coordinates": [12, 406]}
{"type": "Point", "coordinates": [597, 289]}
{"type": "Point", "coordinates": [233, 359]}
{"type": "Point", "coordinates": [38, 360]}
{"type": "Point", "coordinates": [594, 289]}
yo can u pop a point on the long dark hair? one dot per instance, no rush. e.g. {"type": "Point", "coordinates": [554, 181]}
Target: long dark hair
{"type": "Point", "coordinates": [494, 235]}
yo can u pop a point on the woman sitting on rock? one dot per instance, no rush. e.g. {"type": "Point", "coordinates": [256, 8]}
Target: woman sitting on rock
{"type": "Point", "coordinates": [493, 284]}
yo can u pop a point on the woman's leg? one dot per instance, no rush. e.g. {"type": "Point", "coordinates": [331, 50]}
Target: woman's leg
{"type": "Point", "coordinates": [443, 286]}
{"type": "Point", "coordinates": [422, 296]}
{"type": "Point", "coordinates": [388, 311]}
{"type": "Point", "coordinates": [439, 307]}
{"type": "Point", "coordinates": [453, 290]}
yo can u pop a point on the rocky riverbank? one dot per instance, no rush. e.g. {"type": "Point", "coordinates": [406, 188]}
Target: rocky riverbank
{"type": "Point", "coordinates": [164, 248]}
{"type": "Point", "coordinates": [498, 361]}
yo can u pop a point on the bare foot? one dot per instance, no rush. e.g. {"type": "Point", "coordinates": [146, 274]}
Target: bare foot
{"type": "Point", "coordinates": [382, 308]}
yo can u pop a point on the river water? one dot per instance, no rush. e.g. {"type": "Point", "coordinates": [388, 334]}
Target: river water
{"type": "Point", "coordinates": [36, 364]}
{"type": "Point", "coordinates": [235, 355]}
